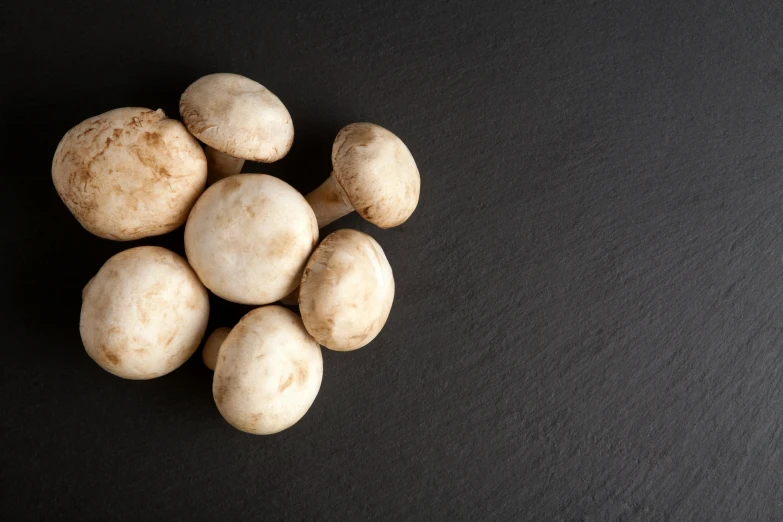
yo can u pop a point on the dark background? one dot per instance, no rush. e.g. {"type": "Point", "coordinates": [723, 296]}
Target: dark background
{"type": "Point", "coordinates": [588, 322]}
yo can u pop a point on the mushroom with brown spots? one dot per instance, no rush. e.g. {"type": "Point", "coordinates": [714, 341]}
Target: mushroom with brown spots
{"type": "Point", "coordinates": [248, 238]}
{"type": "Point", "coordinates": [268, 372]}
{"type": "Point", "coordinates": [373, 173]}
{"type": "Point", "coordinates": [144, 313]}
{"type": "Point", "coordinates": [347, 291]}
{"type": "Point", "coordinates": [212, 346]}
{"type": "Point", "coordinates": [238, 119]}
{"type": "Point", "coordinates": [129, 173]}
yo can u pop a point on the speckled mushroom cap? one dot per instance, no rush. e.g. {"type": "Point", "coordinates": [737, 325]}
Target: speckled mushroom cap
{"type": "Point", "coordinates": [347, 290]}
{"type": "Point", "coordinates": [249, 236]}
{"type": "Point", "coordinates": [268, 372]}
{"type": "Point", "coordinates": [237, 116]}
{"type": "Point", "coordinates": [129, 173]}
{"type": "Point", "coordinates": [377, 172]}
{"type": "Point", "coordinates": [143, 314]}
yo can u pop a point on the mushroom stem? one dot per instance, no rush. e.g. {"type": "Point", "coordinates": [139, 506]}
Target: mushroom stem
{"type": "Point", "coordinates": [220, 165]}
{"type": "Point", "coordinates": [329, 202]}
{"type": "Point", "coordinates": [212, 346]}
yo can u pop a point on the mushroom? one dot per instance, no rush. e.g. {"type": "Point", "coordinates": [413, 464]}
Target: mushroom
{"type": "Point", "coordinates": [268, 372]}
{"type": "Point", "coordinates": [248, 238]}
{"type": "Point", "coordinates": [129, 173]}
{"type": "Point", "coordinates": [212, 346]}
{"type": "Point", "coordinates": [143, 314]}
{"type": "Point", "coordinates": [373, 173]}
{"type": "Point", "coordinates": [238, 119]}
{"type": "Point", "coordinates": [347, 291]}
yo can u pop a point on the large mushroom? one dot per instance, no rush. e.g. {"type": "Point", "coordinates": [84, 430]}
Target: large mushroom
{"type": "Point", "coordinates": [248, 238]}
{"type": "Point", "coordinates": [268, 371]}
{"type": "Point", "coordinates": [143, 314]}
{"type": "Point", "coordinates": [347, 291]}
{"type": "Point", "coordinates": [129, 173]}
{"type": "Point", "coordinates": [238, 119]}
{"type": "Point", "coordinates": [373, 173]}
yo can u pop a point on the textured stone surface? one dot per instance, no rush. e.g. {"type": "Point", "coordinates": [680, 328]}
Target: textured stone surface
{"type": "Point", "coordinates": [587, 319]}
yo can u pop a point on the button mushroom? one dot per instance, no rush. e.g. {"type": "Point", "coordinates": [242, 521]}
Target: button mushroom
{"type": "Point", "coordinates": [143, 314]}
{"type": "Point", "coordinates": [347, 291]}
{"type": "Point", "coordinates": [238, 119]}
{"type": "Point", "coordinates": [129, 173]}
{"type": "Point", "coordinates": [212, 346]}
{"type": "Point", "coordinates": [373, 173]}
{"type": "Point", "coordinates": [248, 238]}
{"type": "Point", "coordinates": [268, 372]}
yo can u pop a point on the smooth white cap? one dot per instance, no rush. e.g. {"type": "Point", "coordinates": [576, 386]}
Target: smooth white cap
{"type": "Point", "coordinates": [248, 238]}
{"type": "Point", "coordinates": [377, 172]}
{"type": "Point", "coordinates": [237, 116]}
{"type": "Point", "coordinates": [268, 372]}
{"type": "Point", "coordinates": [347, 290]}
{"type": "Point", "coordinates": [144, 313]}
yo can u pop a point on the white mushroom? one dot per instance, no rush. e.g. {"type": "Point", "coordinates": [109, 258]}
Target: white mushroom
{"type": "Point", "coordinates": [248, 238]}
{"type": "Point", "coordinates": [268, 372]}
{"type": "Point", "coordinates": [143, 314]}
{"type": "Point", "coordinates": [212, 346]}
{"type": "Point", "coordinates": [347, 291]}
{"type": "Point", "coordinates": [373, 173]}
{"type": "Point", "coordinates": [238, 119]}
{"type": "Point", "coordinates": [129, 173]}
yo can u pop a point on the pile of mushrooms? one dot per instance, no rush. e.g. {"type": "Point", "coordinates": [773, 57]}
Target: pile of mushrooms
{"type": "Point", "coordinates": [133, 173]}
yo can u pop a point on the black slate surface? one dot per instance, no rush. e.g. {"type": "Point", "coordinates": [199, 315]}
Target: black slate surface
{"type": "Point", "coordinates": [588, 316]}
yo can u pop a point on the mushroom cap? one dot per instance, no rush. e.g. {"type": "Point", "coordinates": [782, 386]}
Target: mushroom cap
{"type": "Point", "coordinates": [129, 173]}
{"type": "Point", "coordinates": [144, 313]}
{"type": "Point", "coordinates": [237, 116]}
{"type": "Point", "coordinates": [377, 172]}
{"type": "Point", "coordinates": [212, 346]}
{"type": "Point", "coordinates": [268, 372]}
{"type": "Point", "coordinates": [248, 238]}
{"type": "Point", "coordinates": [347, 290]}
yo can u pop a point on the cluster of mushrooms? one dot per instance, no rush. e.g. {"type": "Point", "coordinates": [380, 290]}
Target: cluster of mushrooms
{"type": "Point", "coordinates": [132, 173]}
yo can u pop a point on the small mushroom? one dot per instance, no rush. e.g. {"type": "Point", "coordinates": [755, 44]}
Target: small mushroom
{"type": "Point", "coordinates": [238, 119]}
{"type": "Point", "coordinates": [248, 238]}
{"type": "Point", "coordinates": [373, 173]}
{"type": "Point", "coordinates": [347, 291]}
{"type": "Point", "coordinates": [129, 173]}
{"type": "Point", "coordinates": [268, 372]}
{"type": "Point", "coordinates": [144, 313]}
{"type": "Point", "coordinates": [212, 346]}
